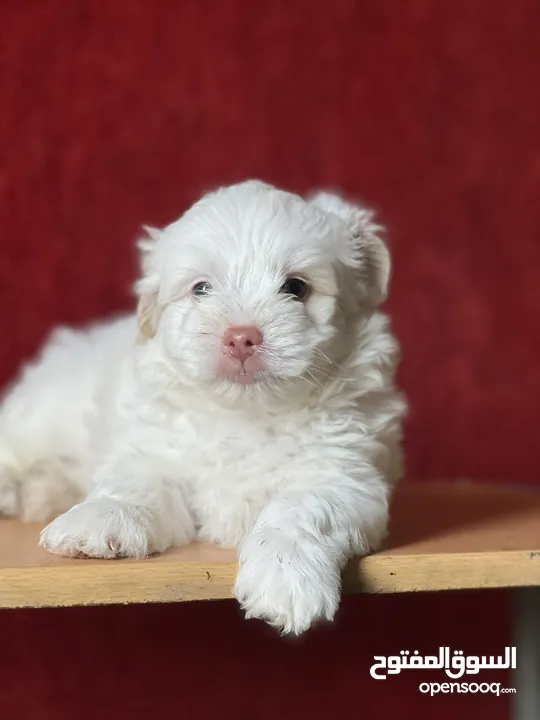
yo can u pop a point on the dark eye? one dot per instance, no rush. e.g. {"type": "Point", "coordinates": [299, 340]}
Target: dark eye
{"type": "Point", "coordinates": [296, 287]}
{"type": "Point", "coordinates": [201, 288]}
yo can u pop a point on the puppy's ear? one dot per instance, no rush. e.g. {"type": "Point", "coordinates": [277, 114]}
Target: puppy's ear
{"type": "Point", "coordinates": [147, 316]}
{"type": "Point", "coordinates": [148, 309]}
{"type": "Point", "coordinates": [364, 249]}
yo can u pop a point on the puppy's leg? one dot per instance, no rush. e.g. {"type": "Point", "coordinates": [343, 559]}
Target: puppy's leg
{"type": "Point", "coordinates": [38, 491]}
{"type": "Point", "coordinates": [44, 438]}
{"type": "Point", "coordinates": [291, 562]}
{"type": "Point", "coordinates": [47, 489]}
{"type": "Point", "coordinates": [9, 492]}
{"type": "Point", "coordinates": [135, 510]}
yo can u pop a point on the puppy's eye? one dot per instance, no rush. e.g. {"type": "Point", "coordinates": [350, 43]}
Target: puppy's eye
{"type": "Point", "coordinates": [296, 287]}
{"type": "Point", "coordinates": [201, 288]}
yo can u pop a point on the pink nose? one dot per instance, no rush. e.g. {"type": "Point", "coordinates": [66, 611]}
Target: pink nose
{"type": "Point", "coordinates": [241, 341]}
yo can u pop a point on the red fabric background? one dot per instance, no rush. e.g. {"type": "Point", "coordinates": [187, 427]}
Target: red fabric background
{"type": "Point", "coordinates": [115, 114]}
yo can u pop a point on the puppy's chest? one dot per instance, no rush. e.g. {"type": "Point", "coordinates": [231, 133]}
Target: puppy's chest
{"type": "Point", "coordinates": [233, 451]}
{"type": "Point", "coordinates": [232, 466]}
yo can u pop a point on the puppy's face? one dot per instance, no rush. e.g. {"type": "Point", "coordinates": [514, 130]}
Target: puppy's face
{"type": "Point", "coordinates": [252, 289]}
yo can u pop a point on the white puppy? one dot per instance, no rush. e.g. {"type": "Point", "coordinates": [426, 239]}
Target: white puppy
{"type": "Point", "coordinates": [250, 402]}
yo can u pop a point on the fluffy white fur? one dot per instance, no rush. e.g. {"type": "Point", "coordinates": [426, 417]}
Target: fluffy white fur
{"type": "Point", "coordinates": [130, 431]}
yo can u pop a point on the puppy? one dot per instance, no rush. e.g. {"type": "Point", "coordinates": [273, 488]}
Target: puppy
{"type": "Point", "coordinates": [250, 402]}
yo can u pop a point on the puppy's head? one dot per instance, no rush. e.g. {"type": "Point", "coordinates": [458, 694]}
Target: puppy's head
{"type": "Point", "coordinates": [254, 289]}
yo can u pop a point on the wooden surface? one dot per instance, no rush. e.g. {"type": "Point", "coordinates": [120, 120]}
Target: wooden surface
{"type": "Point", "coordinates": [443, 537]}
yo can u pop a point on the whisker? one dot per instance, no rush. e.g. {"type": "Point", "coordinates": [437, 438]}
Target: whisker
{"type": "Point", "coordinates": [333, 375]}
{"type": "Point", "coordinates": [314, 378]}
{"type": "Point", "coordinates": [307, 380]}
{"type": "Point", "coordinates": [324, 356]}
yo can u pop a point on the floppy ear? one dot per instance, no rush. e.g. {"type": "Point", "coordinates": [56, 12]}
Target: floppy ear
{"type": "Point", "coordinates": [147, 316]}
{"type": "Point", "coordinates": [364, 249]}
{"type": "Point", "coordinates": [148, 309]}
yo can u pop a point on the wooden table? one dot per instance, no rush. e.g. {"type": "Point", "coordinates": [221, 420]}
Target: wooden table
{"type": "Point", "coordinates": [444, 536]}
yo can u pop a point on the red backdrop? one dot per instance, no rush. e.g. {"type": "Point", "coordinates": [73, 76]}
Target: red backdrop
{"type": "Point", "coordinates": [118, 114]}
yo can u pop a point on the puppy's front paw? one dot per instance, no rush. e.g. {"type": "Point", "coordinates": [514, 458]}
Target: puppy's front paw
{"type": "Point", "coordinates": [102, 529]}
{"type": "Point", "coordinates": [287, 582]}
